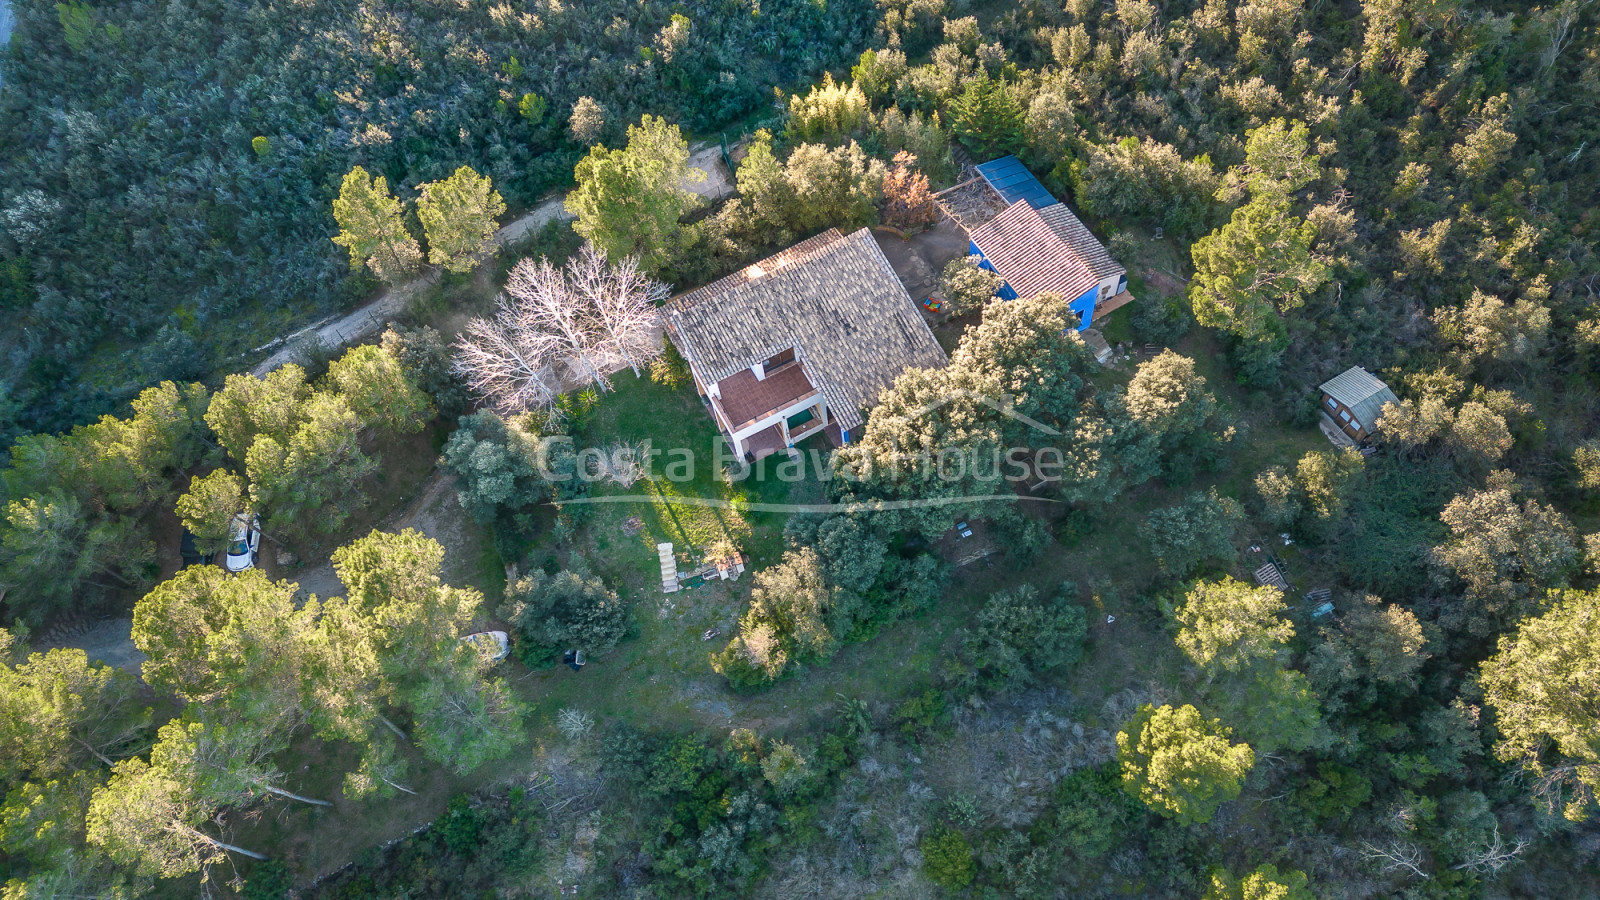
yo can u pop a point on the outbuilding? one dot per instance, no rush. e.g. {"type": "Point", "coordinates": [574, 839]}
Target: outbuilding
{"type": "Point", "coordinates": [1353, 400]}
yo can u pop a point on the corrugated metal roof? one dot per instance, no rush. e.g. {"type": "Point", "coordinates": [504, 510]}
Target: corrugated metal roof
{"type": "Point", "coordinates": [1012, 180]}
{"type": "Point", "coordinates": [833, 298]}
{"type": "Point", "coordinates": [1031, 256]}
{"type": "Point", "coordinates": [1363, 393]}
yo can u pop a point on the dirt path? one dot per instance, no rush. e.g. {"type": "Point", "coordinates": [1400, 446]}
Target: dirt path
{"type": "Point", "coordinates": [339, 331]}
{"type": "Point", "coordinates": [109, 640]}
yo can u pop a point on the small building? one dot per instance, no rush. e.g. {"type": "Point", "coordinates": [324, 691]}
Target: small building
{"type": "Point", "coordinates": [1038, 246]}
{"type": "Point", "coordinates": [1353, 400]}
{"type": "Point", "coordinates": [800, 343]}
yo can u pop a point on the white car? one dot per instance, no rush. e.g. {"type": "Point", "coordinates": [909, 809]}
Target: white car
{"type": "Point", "coordinates": [493, 645]}
{"type": "Point", "coordinates": [243, 542]}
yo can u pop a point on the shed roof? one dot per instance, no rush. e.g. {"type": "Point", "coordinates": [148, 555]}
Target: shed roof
{"type": "Point", "coordinates": [1031, 256]}
{"type": "Point", "coordinates": [1361, 392]}
{"type": "Point", "coordinates": [833, 298]}
{"type": "Point", "coordinates": [1008, 176]}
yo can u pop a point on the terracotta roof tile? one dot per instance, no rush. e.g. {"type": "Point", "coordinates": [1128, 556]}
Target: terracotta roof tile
{"type": "Point", "coordinates": [1036, 258]}
{"type": "Point", "coordinates": [834, 299]}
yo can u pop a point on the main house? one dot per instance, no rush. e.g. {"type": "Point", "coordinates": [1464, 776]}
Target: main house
{"type": "Point", "coordinates": [800, 343]}
{"type": "Point", "coordinates": [1034, 242]}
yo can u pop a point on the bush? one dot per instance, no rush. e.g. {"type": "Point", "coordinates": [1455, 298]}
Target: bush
{"type": "Point", "coordinates": [1019, 637]}
{"type": "Point", "coordinates": [1161, 321]}
{"type": "Point", "coordinates": [553, 613]}
{"type": "Point", "coordinates": [947, 858]}
{"type": "Point", "coordinates": [506, 466]}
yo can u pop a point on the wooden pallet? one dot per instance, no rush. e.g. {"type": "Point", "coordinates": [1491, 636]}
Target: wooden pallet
{"type": "Point", "coordinates": [1269, 575]}
{"type": "Point", "coordinates": [669, 568]}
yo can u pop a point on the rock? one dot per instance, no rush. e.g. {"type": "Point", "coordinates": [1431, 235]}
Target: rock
{"type": "Point", "coordinates": [286, 558]}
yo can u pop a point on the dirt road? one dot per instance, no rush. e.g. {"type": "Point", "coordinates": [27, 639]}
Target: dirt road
{"type": "Point", "coordinates": [340, 331]}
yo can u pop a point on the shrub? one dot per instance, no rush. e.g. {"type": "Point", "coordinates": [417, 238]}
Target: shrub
{"type": "Point", "coordinates": [1019, 637]}
{"type": "Point", "coordinates": [947, 858]}
{"type": "Point", "coordinates": [551, 613]}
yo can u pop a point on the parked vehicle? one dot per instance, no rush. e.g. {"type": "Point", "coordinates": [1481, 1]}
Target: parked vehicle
{"type": "Point", "coordinates": [189, 553]}
{"type": "Point", "coordinates": [494, 645]}
{"type": "Point", "coordinates": [243, 542]}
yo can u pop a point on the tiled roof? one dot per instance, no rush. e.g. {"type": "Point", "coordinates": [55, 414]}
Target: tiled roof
{"type": "Point", "coordinates": [1077, 235]}
{"type": "Point", "coordinates": [1032, 256]}
{"type": "Point", "coordinates": [834, 299]}
{"type": "Point", "coordinates": [1361, 392]}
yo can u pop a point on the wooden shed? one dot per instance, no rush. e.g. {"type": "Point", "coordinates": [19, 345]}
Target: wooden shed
{"type": "Point", "coordinates": [1354, 401]}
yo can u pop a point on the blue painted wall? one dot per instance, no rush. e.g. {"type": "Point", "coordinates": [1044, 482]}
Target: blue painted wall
{"type": "Point", "coordinates": [1083, 305]}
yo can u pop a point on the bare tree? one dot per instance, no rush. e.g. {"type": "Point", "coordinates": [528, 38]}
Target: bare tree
{"type": "Point", "coordinates": [623, 300]}
{"type": "Point", "coordinates": [1493, 856]}
{"type": "Point", "coordinates": [1395, 856]}
{"type": "Point", "coordinates": [588, 317]}
{"type": "Point", "coordinates": [507, 362]}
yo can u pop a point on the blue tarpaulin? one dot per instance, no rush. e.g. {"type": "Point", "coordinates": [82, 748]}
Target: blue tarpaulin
{"type": "Point", "coordinates": [1013, 182]}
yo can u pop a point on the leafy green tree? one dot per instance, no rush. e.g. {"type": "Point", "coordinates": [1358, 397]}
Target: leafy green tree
{"type": "Point", "coordinates": [1278, 159]}
{"type": "Point", "coordinates": [304, 485]}
{"type": "Point", "coordinates": [59, 714]}
{"type": "Point", "coordinates": [372, 381]}
{"type": "Point", "coordinates": [1181, 765]}
{"type": "Point", "coordinates": [1232, 626]}
{"type": "Point", "coordinates": [1327, 479]}
{"type": "Point", "coordinates": [51, 549]}
{"type": "Point", "coordinates": [408, 625]}
{"type": "Point", "coordinates": [877, 72]}
{"type": "Point", "coordinates": [1168, 397]}
{"type": "Point", "coordinates": [372, 228]}
{"type": "Point", "coordinates": [852, 556]}
{"type": "Point", "coordinates": [1541, 685]}
{"type": "Point", "coordinates": [1249, 274]}
{"type": "Point", "coordinates": [967, 286]}
{"type": "Point", "coordinates": [1233, 632]}
{"type": "Point", "coordinates": [762, 187]}
{"type": "Point", "coordinates": [988, 118]}
{"type": "Point", "coordinates": [460, 214]}
{"type": "Point", "coordinates": [233, 643]}
{"type": "Point", "coordinates": [1265, 883]}
{"type": "Point", "coordinates": [1026, 353]}
{"type": "Point", "coordinates": [792, 611]}
{"type": "Point", "coordinates": [210, 507]}
{"type": "Point", "coordinates": [1494, 335]}
{"type": "Point", "coordinates": [565, 610]}
{"type": "Point", "coordinates": [1373, 651]}
{"type": "Point", "coordinates": [1502, 554]}
{"type": "Point", "coordinates": [628, 201]}
{"type": "Point", "coordinates": [947, 858]}
{"type": "Point", "coordinates": [838, 187]}
{"type": "Point", "coordinates": [425, 359]}
{"type": "Point", "coordinates": [504, 466]}
{"type": "Point", "coordinates": [1135, 178]}
{"type": "Point", "coordinates": [829, 113]}
{"type": "Point", "coordinates": [1200, 531]}
{"type": "Point", "coordinates": [147, 819]}
{"type": "Point", "coordinates": [248, 407]}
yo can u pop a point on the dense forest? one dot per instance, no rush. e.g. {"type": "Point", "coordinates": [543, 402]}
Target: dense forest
{"type": "Point", "coordinates": [1098, 695]}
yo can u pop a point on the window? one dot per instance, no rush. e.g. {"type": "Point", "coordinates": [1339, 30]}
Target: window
{"type": "Point", "coordinates": [1344, 415]}
{"type": "Point", "coordinates": [1356, 424]}
{"type": "Point", "coordinates": [1332, 403]}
